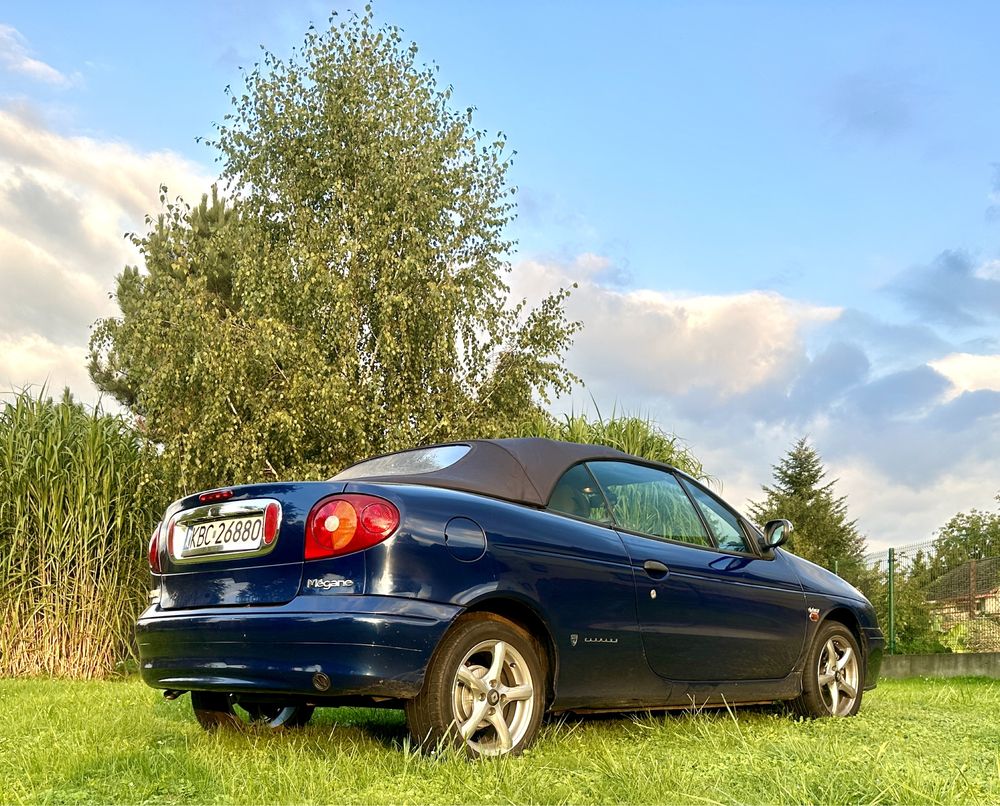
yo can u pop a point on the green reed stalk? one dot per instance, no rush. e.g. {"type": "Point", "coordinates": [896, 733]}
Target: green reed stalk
{"type": "Point", "coordinates": [637, 434]}
{"type": "Point", "coordinates": [79, 495]}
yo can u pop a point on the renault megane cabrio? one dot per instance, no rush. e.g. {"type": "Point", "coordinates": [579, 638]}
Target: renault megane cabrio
{"type": "Point", "coordinates": [480, 585]}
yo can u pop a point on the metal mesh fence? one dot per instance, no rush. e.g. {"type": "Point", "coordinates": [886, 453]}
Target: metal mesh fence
{"type": "Point", "coordinates": [938, 596]}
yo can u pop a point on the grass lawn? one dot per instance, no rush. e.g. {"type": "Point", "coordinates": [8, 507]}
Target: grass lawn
{"type": "Point", "coordinates": [915, 741]}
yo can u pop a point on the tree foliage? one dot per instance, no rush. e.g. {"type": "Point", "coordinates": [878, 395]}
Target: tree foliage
{"type": "Point", "coordinates": [349, 298]}
{"type": "Point", "coordinates": [936, 588]}
{"type": "Point", "coordinates": [917, 628]}
{"type": "Point", "coordinates": [822, 533]}
{"type": "Point", "coordinates": [972, 535]}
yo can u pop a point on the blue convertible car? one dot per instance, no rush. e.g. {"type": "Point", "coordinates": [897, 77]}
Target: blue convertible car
{"type": "Point", "coordinates": [480, 585]}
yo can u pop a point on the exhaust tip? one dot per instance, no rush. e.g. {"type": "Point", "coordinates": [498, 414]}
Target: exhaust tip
{"type": "Point", "coordinates": [321, 681]}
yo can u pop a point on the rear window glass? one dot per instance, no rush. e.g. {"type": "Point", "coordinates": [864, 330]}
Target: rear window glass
{"type": "Point", "coordinates": [408, 463]}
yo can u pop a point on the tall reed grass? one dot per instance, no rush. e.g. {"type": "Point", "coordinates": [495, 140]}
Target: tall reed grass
{"type": "Point", "coordinates": [79, 497]}
{"type": "Point", "coordinates": [637, 434]}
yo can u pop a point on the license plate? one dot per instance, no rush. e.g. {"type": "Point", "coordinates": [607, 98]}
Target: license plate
{"type": "Point", "coordinates": [235, 535]}
{"type": "Point", "coordinates": [231, 528]}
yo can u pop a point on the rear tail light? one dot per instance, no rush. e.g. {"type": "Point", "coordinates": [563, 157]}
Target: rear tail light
{"type": "Point", "coordinates": [154, 551]}
{"type": "Point", "coordinates": [347, 523]}
{"type": "Point", "coordinates": [272, 514]}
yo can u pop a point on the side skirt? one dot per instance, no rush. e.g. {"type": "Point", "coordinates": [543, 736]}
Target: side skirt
{"type": "Point", "coordinates": [696, 696]}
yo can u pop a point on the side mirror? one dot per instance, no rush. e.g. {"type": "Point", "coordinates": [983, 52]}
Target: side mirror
{"type": "Point", "coordinates": [776, 532]}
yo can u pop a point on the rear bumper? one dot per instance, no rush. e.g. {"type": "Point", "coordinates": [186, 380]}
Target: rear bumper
{"type": "Point", "coordinates": [366, 645]}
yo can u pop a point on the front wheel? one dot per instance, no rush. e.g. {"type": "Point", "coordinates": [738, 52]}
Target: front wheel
{"type": "Point", "coordinates": [484, 689]}
{"type": "Point", "coordinates": [833, 677]}
{"type": "Point", "coordinates": [215, 710]}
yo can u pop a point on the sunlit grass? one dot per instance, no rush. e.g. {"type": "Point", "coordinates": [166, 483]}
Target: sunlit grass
{"type": "Point", "coordinates": [914, 742]}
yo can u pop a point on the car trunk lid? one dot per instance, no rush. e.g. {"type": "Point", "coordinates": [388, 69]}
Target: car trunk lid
{"type": "Point", "coordinates": [238, 546]}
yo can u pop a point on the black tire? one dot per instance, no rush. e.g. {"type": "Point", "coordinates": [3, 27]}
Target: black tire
{"type": "Point", "coordinates": [833, 677]}
{"type": "Point", "coordinates": [215, 710]}
{"type": "Point", "coordinates": [501, 714]}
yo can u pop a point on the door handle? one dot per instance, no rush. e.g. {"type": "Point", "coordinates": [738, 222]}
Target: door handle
{"type": "Point", "coordinates": [655, 569]}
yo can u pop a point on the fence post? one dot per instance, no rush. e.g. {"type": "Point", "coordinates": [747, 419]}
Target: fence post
{"type": "Point", "coordinates": [892, 601]}
{"type": "Point", "coordinates": [972, 589]}
{"type": "Point", "coordinates": [836, 567]}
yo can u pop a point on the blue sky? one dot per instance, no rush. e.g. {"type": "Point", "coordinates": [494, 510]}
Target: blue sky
{"type": "Point", "coordinates": [784, 218]}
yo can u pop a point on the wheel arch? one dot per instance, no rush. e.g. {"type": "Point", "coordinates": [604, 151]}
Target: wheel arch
{"type": "Point", "coordinates": [848, 619]}
{"type": "Point", "coordinates": [844, 615]}
{"type": "Point", "coordinates": [527, 617]}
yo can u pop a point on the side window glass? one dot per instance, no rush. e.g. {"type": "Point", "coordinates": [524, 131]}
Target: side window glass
{"type": "Point", "coordinates": [576, 494]}
{"type": "Point", "coordinates": [724, 524]}
{"type": "Point", "coordinates": [650, 501]}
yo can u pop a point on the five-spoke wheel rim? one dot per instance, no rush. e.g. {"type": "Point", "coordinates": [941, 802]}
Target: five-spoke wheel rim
{"type": "Point", "coordinates": [837, 669]}
{"type": "Point", "coordinates": [494, 698]}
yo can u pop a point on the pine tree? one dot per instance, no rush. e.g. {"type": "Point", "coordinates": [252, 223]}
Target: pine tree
{"type": "Point", "coordinates": [822, 534]}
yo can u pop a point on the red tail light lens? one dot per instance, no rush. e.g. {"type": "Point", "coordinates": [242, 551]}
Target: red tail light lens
{"type": "Point", "coordinates": [154, 551]}
{"type": "Point", "coordinates": [215, 495]}
{"type": "Point", "coordinates": [272, 514]}
{"type": "Point", "coordinates": [348, 523]}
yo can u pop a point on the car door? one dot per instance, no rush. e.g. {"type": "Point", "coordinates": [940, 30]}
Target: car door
{"type": "Point", "coordinates": [710, 608]}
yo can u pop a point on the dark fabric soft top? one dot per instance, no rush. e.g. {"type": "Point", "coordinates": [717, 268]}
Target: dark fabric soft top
{"type": "Point", "coordinates": [521, 470]}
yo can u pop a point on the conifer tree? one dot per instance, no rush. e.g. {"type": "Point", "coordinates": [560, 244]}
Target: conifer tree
{"type": "Point", "coordinates": [823, 533]}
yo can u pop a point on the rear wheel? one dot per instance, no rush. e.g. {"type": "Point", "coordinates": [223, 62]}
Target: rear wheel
{"type": "Point", "coordinates": [484, 689]}
{"type": "Point", "coordinates": [833, 677]}
{"type": "Point", "coordinates": [215, 710]}
{"type": "Point", "coordinates": [277, 715]}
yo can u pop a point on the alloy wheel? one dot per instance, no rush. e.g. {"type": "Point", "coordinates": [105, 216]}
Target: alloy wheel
{"type": "Point", "coordinates": [838, 675]}
{"type": "Point", "coordinates": [493, 698]}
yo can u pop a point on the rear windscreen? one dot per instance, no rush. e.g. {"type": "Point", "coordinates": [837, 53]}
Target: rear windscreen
{"type": "Point", "coordinates": [422, 460]}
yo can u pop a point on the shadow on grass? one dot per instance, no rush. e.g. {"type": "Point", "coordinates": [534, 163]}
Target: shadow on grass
{"type": "Point", "coordinates": [381, 726]}
{"type": "Point", "coordinates": [625, 717]}
{"type": "Point", "coordinates": [348, 729]}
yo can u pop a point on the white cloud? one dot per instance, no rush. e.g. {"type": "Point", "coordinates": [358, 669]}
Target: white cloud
{"type": "Point", "coordinates": [15, 55]}
{"type": "Point", "coordinates": [34, 361]}
{"type": "Point", "coordinates": [65, 203]}
{"type": "Point", "coordinates": [673, 344]}
{"type": "Point", "coordinates": [989, 270]}
{"type": "Point", "coordinates": [600, 270]}
{"type": "Point", "coordinates": [896, 514]}
{"type": "Point", "coordinates": [112, 171]}
{"type": "Point", "coordinates": [970, 373]}
{"type": "Point", "coordinates": [740, 377]}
